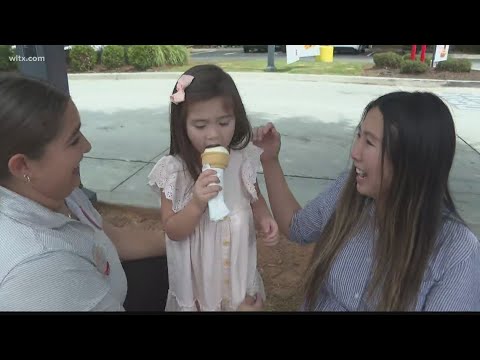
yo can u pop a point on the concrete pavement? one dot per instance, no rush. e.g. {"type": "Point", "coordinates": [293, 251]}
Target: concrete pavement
{"type": "Point", "coordinates": [125, 116]}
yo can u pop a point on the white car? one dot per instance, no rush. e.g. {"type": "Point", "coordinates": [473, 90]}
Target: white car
{"type": "Point", "coordinates": [96, 47]}
{"type": "Point", "coordinates": [356, 48]}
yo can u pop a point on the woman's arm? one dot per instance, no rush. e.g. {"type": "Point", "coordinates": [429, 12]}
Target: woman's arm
{"type": "Point", "coordinates": [283, 203]}
{"type": "Point", "coordinates": [459, 288]}
{"type": "Point", "coordinates": [300, 225]}
{"type": "Point", "coordinates": [133, 244]}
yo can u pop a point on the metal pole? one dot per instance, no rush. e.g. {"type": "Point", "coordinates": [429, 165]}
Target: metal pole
{"type": "Point", "coordinates": [45, 62]}
{"type": "Point", "coordinates": [48, 62]}
{"type": "Point", "coordinates": [271, 59]}
{"type": "Point", "coordinates": [423, 54]}
{"type": "Point", "coordinates": [433, 56]}
{"type": "Point", "coordinates": [413, 53]}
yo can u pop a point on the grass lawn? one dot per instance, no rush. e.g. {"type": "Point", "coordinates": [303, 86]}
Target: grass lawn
{"type": "Point", "coordinates": [299, 67]}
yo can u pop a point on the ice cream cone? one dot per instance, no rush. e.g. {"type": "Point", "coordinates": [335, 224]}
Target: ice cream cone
{"type": "Point", "coordinates": [216, 157]}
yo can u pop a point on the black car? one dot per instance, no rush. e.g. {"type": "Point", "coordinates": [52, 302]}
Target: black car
{"type": "Point", "coordinates": [263, 48]}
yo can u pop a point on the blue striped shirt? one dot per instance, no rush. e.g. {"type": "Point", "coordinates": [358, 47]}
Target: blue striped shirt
{"type": "Point", "coordinates": [451, 281]}
{"type": "Point", "coordinates": [49, 262]}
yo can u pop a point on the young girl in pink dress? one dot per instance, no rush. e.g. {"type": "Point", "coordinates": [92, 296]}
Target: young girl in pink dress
{"type": "Point", "coordinates": [212, 265]}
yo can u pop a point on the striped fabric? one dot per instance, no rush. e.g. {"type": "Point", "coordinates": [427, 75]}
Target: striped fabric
{"type": "Point", "coordinates": [451, 282]}
{"type": "Point", "coordinates": [48, 263]}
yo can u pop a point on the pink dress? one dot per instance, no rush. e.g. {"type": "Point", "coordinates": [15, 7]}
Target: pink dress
{"type": "Point", "coordinates": [215, 267]}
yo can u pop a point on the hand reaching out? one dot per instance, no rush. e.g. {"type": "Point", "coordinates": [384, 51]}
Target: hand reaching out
{"type": "Point", "coordinates": [251, 303]}
{"type": "Point", "coordinates": [269, 229]}
{"type": "Point", "coordinates": [267, 138]}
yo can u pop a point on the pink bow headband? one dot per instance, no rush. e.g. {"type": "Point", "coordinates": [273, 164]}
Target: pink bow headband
{"type": "Point", "coordinates": [182, 84]}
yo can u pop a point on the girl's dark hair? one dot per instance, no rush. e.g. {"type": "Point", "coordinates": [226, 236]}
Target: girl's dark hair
{"type": "Point", "coordinates": [209, 81]}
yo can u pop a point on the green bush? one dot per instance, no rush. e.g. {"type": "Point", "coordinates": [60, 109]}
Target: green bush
{"type": "Point", "coordinates": [83, 57]}
{"type": "Point", "coordinates": [125, 51]}
{"type": "Point", "coordinates": [143, 57]}
{"type": "Point", "coordinates": [5, 52]}
{"type": "Point", "coordinates": [99, 53]}
{"type": "Point", "coordinates": [389, 60]}
{"type": "Point", "coordinates": [113, 56]}
{"type": "Point", "coordinates": [175, 54]}
{"type": "Point", "coordinates": [413, 67]}
{"type": "Point", "coordinates": [428, 59]}
{"type": "Point", "coordinates": [454, 65]}
{"type": "Point", "coordinates": [473, 49]}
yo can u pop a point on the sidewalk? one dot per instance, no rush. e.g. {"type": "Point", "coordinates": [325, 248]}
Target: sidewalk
{"type": "Point", "coordinates": [466, 56]}
{"type": "Point", "coordinates": [364, 80]}
{"type": "Point", "coordinates": [127, 123]}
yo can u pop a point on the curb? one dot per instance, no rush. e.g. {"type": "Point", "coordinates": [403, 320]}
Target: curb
{"type": "Point", "coordinates": [125, 76]}
{"type": "Point", "coordinates": [362, 80]}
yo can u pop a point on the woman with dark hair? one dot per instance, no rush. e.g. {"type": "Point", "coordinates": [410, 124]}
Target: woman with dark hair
{"type": "Point", "coordinates": [56, 252]}
{"type": "Point", "coordinates": [388, 236]}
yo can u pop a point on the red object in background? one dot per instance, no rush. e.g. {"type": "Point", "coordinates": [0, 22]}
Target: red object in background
{"type": "Point", "coordinates": [414, 52]}
{"type": "Point", "coordinates": [424, 51]}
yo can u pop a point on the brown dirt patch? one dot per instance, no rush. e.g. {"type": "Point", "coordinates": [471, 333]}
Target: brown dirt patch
{"type": "Point", "coordinates": [282, 267]}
